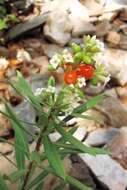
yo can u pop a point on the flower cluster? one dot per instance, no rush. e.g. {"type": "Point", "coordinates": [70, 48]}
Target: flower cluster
{"type": "Point", "coordinates": [79, 65]}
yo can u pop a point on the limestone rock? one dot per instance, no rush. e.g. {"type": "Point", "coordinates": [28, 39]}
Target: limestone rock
{"type": "Point", "coordinates": [123, 42]}
{"type": "Point", "coordinates": [118, 147]}
{"type": "Point", "coordinates": [113, 37]}
{"type": "Point", "coordinates": [115, 111]}
{"type": "Point", "coordinates": [107, 171]}
{"type": "Point", "coordinates": [58, 28]}
{"type": "Point", "coordinates": [80, 133]}
{"type": "Point", "coordinates": [50, 49]}
{"type": "Point", "coordinates": [66, 17]}
{"type": "Point", "coordinates": [42, 62]}
{"type": "Point", "coordinates": [116, 64]}
{"type": "Point", "coordinates": [102, 28]}
{"type": "Point", "coordinates": [22, 28]}
{"type": "Point", "coordinates": [100, 137]}
{"type": "Point", "coordinates": [94, 7]}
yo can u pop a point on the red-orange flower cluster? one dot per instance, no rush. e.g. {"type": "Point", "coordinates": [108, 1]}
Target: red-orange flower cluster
{"type": "Point", "coordinates": [82, 70]}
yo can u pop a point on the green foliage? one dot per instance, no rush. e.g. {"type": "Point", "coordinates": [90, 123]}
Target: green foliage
{"type": "Point", "coordinates": [5, 18]}
{"type": "Point", "coordinates": [48, 121]}
{"type": "Point", "coordinates": [3, 185]}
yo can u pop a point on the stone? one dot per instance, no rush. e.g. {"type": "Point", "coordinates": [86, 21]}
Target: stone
{"type": "Point", "coordinates": [94, 90]}
{"type": "Point", "coordinates": [28, 25]}
{"type": "Point", "coordinates": [113, 37]}
{"type": "Point", "coordinates": [94, 7]}
{"type": "Point", "coordinates": [71, 18]}
{"type": "Point", "coordinates": [123, 14]}
{"type": "Point", "coordinates": [38, 81]}
{"type": "Point", "coordinates": [107, 170]}
{"type": "Point", "coordinates": [118, 147]}
{"type": "Point", "coordinates": [102, 28]}
{"type": "Point", "coordinates": [5, 148]}
{"type": "Point", "coordinates": [51, 49]}
{"type": "Point", "coordinates": [122, 92]}
{"type": "Point", "coordinates": [27, 114]}
{"type": "Point", "coordinates": [54, 136]}
{"type": "Point", "coordinates": [81, 171]}
{"type": "Point", "coordinates": [89, 124]}
{"type": "Point", "coordinates": [100, 137]}
{"type": "Point", "coordinates": [116, 64]}
{"type": "Point", "coordinates": [123, 42]}
{"type": "Point", "coordinates": [42, 63]}
{"type": "Point", "coordinates": [80, 133]}
{"type": "Point", "coordinates": [108, 16]}
{"type": "Point", "coordinates": [86, 29]}
{"type": "Point", "coordinates": [58, 28]}
{"type": "Point", "coordinates": [114, 111]}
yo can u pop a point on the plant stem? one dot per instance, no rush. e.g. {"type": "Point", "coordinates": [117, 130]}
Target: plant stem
{"type": "Point", "coordinates": [37, 148]}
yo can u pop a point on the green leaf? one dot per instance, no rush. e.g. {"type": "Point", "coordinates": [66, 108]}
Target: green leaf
{"type": "Point", "coordinates": [35, 156]}
{"type": "Point", "coordinates": [89, 117]}
{"type": "Point", "coordinates": [3, 24]}
{"type": "Point", "coordinates": [87, 59]}
{"type": "Point", "coordinates": [51, 81]}
{"type": "Point", "coordinates": [79, 145]}
{"type": "Point", "coordinates": [39, 186]}
{"type": "Point", "coordinates": [3, 185]}
{"type": "Point", "coordinates": [24, 89]}
{"type": "Point", "coordinates": [39, 178]}
{"type": "Point", "coordinates": [71, 131]}
{"type": "Point", "coordinates": [75, 47]}
{"type": "Point", "coordinates": [86, 106]}
{"type": "Point", "coordinates": [78, 57]}
{"type": "Point", "coordinates": [53, 157]}
{"type": "Point", "coordinates": [13, 177]}
{"type": "Point", "coordinates": [20, 138]}
{"type": "Point", "coordinates": [76, 183]}
{"type": "Point", "coordinates": [13, 17]}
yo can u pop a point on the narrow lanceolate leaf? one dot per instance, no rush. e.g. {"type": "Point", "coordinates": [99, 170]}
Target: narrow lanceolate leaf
{"type": "Point", "coordinates": [13, 177]}
{"type": "Point", "coordinates": [85, 107]}
{"type": "Point", "coordinates": [89, 117]}
{"type": "Point", "coordinates": [39, 186]}
{"type": "Point", "coordinates": [77, 183]}
{"type": "Point", "coordinates": [23, 88]}
{"type": "Point", "coordinates": [37, 180]}
{"type": "Point", "coordinates": [79, 145]}
{"type": "Point", "coordinates": [3, 185]}
{"type": "Point", "coordinates": [20, 138]}
{"type": "Point", "coordinates": [53, 157]}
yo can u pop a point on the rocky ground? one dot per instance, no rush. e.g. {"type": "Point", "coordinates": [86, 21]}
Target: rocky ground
{"type": "Point", "coordinates": [38, 39]}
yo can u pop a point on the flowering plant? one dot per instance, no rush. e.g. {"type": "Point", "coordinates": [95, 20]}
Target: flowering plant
{"type": "Point", "coordinates": [79, 67]}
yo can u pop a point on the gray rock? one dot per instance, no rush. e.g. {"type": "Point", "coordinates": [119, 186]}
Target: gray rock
{"type": "Point", "coordinates": [115, 112]}
{"type": "Point", "coordinates": [101, 137]}
{"type": "Point", "coordinates": [118, 147]}
{"type": "Point", "coordinates": [80, 133]}
{"type": "Point", "coordinates": [94, 90]}
{"type": "Point", "coordinates": [102, 28]}
{"type": "Point", "coordinates": [38, 81]}
{"type": "Point", "coordinates": [116, 65]}
{"type": "Point", "coordinates": [27, 114]}
{"type": "Point", "coordinates": [54, 136]}
{"type": "Point", "coordinates": [22, 28]}
{"type": "Point", "coordinates": [107, 171]}
{"type": "Point", "coordinates": [58, 28]}
{"type": "Point", "coordinates": [66, 18]}
{"type": "Point", "coordinates": [51, 49]}
{"type": "Point", "coordinates": [123, 42]}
